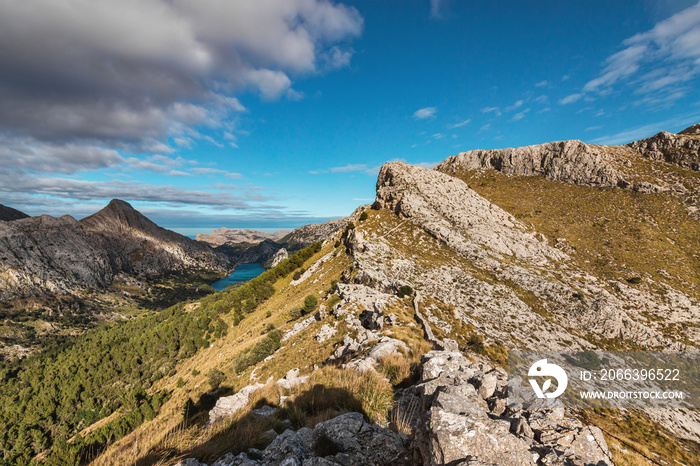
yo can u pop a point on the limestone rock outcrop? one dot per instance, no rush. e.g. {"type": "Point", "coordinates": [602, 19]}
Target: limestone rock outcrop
{"type": "Point", "coordinates": [570, 161]}
{"type": "Point", "coordinates": [681, 149]}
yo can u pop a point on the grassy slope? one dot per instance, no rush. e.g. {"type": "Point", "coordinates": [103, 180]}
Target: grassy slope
{"type": "Point", "coordinates": [606, 229]}
{"type": "Point", "coordinates": [614, 233]}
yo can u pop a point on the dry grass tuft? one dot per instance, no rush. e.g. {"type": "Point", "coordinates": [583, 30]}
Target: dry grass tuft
{"type": "Point", "coordinates": [402, 416]}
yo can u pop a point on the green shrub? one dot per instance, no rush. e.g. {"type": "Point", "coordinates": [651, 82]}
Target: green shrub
{"type": "Point", "coordinates": [310, 303]}
{"type": "Point", "coordinates": [260, 351]}
{"type": "Point", "coordinates": [363, 216]}
{"type": "Point", "coordinates": [295, 313]}
{"type": "Point", "coordinates": [180, 383]}
{"type": "Point", "coordinates": [404, 291]}
{"type": "Point", "coordinates": [215, 377]}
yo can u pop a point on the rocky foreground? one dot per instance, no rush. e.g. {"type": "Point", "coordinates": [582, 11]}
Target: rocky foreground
{"type": "Point", "coordinates": [457, 414]}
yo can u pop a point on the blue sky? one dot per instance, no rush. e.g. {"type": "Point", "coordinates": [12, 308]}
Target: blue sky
{"type": "Point", "coordinates": [277, 113]}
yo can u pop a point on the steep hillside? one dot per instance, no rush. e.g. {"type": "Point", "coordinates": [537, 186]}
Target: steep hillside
{"type": "Point", "coordinates": [532, 248]}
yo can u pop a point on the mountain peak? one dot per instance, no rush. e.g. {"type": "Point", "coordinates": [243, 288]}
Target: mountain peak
{"type": "Point", "coordinates": [119, 204]}
{"type": "Point", "coordinates": [119, 215]}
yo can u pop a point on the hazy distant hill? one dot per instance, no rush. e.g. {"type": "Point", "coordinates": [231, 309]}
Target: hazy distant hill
{"type": "Point", "coordinates": [242, 245]}
{"type": "Point", "coordinates": [238, 235]}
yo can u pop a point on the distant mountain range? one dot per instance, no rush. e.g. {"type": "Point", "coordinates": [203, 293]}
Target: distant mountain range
{"type": "Point", "coordinates": [242, 245]}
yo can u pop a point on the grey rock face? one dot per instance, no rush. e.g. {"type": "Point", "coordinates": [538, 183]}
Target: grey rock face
{"type": "Point", "coordinates": [569, 161]}
{"type": "Point", "coordinates": [456, 425]}
{"type": "Point", "coordinates": [238, 235]}
{"type": "Point", "coordinates": [227, 406]}
{"type": "Point", "coordinates": [344, 440]}
{"type": "Point", "coordinates": [681, 149]}
{"type": "Point", "coordinates": [492, 240]}
{"type": "Point", "coordinates": [50, 255]}
{"type": "Point", "coordinates": [308, 234]}
{"type": "Point", "coordinates": [279, 256]}
{"type": "Point", "coordinates": [292, 379]}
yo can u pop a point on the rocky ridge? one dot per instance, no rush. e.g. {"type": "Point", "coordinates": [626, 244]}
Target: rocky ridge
{"type": "Point", "coordinates": [458, 414]}
{"type": "Point", "coordinates": [570, 161]}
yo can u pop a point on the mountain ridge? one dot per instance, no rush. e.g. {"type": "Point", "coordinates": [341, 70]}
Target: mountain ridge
{"type": "Point", "coordinates": [58, 255]}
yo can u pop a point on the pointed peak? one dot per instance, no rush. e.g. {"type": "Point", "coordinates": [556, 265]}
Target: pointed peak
{"type": "Point", "coordinates": [119, 212]}
{"type": "Point", "coordinates": [119, 204]}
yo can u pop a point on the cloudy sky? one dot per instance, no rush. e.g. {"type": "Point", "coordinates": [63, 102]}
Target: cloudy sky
{"type": "Point", "coordinates": [275, 113]}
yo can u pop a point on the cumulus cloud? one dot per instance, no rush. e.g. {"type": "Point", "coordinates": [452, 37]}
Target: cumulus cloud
{"type": "Point", "coordinates": [660, 60]}
{"type": "Point", "coordinates": [126, 70]}
{"type": "Point", "coordinates": [100, 84]}
{"type": "Point", "coordinates": [425, 113]}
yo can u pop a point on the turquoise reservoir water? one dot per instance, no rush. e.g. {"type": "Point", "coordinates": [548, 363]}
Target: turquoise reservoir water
{"type": "Point", "coordinates": [243, 273]}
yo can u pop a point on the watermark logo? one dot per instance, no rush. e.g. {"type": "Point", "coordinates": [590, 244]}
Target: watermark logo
{"type": "Point", "coordinates": [542, 368]}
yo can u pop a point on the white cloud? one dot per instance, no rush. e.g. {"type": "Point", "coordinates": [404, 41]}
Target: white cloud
{"type": "Point", "coordinates": [570, 99]}
{"type": "Point", "coordinates": [543, 99]}
{"type": "Point", "coordinates": [294, 95]}
{"type": "Point", "coordinates": [659, 61]}
{"type": "Point", "coordinates": [425, 113]}
{"type": "Point", "coordinates": [486, 127]}
{"type": "Point", "coordinates": [438, 136]}
{"type": "Point", "coordinates": [543, 83]}
{"type": "Point", "coordinates": [460, 124]}
{"type": "Point", "coordinates": [516, 105]}
{"type": "Point", "coordinates": [594, 128]}
{"type": "Point", "coordinates": [520, 115]}
{"type": "Point", "coordinates": [494, 110]}
{"type": "Point", "coordinates": [349, 168]}
{"type": "Point", "coordinates": [646, 131]}
{"type": "Point", "coordinates": [128, 70]}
